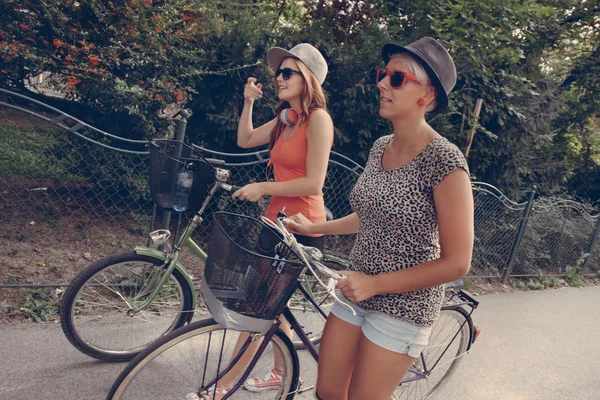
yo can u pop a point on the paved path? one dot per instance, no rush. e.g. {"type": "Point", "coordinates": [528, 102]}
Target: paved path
{"type": "Point", "coordinates": [534, 345]}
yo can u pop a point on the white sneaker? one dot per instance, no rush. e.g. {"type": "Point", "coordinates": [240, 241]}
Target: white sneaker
{"type": "Point", "coordinates": [220, 393]}
{"type": "Point", "coordinates": [271, 380]}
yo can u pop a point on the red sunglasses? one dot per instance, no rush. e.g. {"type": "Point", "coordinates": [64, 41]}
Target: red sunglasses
{"type": "Point", "coordinates": [397, 78]}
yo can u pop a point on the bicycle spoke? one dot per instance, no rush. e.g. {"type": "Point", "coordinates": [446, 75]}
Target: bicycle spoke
{"type": "Point", "coordinates": [441, 350]}
{"type": "Point", "coordinates": [101, 311]}
{"type": "Point", "coordinates": [190, 364]}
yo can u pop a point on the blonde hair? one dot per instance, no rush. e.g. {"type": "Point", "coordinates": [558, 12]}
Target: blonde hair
{"type": "Point", "coordinates": [416, 68]}
{"type": "Point", "coordinates": [312, 98]}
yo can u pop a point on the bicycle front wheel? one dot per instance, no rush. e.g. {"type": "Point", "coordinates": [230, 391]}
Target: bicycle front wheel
{"type": "Point", "coordinates": [96, 309]}
{"type": "Point", "coordinates": [187, 361]}
{"type": "Point", "coordinates": [307, 315]}
{"type": "Point", "coordinates": [440, 358]}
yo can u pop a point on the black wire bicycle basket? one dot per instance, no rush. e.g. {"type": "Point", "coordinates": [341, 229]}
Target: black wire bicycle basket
{"type": "Point", "coordinates": [249, 269]}
{"type": "Point", "coordinates": [167, 158]}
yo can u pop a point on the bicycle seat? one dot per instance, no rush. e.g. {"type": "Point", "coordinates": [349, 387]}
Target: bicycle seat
{"type": "Point", "coordinates": [328, 214]}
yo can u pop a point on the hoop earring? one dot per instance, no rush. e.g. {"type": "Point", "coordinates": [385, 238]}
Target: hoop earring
{"type": "Point", "coordinates": [290, 117]}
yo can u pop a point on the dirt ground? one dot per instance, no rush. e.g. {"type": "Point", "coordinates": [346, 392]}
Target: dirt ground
{"type": "Point", "coordinates": [52, 252]}
{"type": "Point", "coordinates": [39, 252]}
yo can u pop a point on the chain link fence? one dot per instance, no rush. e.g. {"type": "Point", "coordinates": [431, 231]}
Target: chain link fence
{"type": "Point", "coordinates": [559, 234]}
{"type": "Point", "coordinates": [497, 220]}
{"type": "Point", "coordinates": [54, 167]}
{"type": "Point", "coordinates": [542, 236]}
{"type": "Point", "coordinates": [252, 167]}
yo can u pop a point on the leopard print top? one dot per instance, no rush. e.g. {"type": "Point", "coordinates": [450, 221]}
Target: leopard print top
{"type": "Point", "coordinates": [398, 225]}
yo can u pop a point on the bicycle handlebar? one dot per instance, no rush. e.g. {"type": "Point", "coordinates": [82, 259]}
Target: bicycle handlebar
{"type": "Point", "coordinates": [209, 161]}
{"type": "Point", "coordinates": [305, 255]}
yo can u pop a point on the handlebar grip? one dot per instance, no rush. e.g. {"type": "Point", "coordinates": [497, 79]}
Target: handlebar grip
{"type": "Point", "coordinates": [330, 273]}
{"type": "Point", "coordinates": [215, 161]}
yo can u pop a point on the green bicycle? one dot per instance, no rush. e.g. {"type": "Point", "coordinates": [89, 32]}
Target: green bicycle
{"type": "Point", "coordinates": [122, 303]}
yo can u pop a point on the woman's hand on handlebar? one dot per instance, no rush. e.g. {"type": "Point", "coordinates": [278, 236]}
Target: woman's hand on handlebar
{"type": "Point", "coordinates": [357, 286]}
{"type": "Point", "coordinates": [251, 192]}
{"type": "Point", "coordinates": [299, 223]}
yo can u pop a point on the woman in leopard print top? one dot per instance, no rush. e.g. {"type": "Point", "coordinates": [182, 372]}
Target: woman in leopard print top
{"type": "Point", "coordinates": [413, 212]}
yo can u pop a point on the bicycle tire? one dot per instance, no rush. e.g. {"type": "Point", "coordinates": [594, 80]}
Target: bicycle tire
{"type": "Point", "coordinates": [95, 330]}
{"type": "Point", "coordinates": [433, 352]}
{"type": "Point", "coordinates": [158, 369]}
{"type": "Point", "coordinates": [307, 316]}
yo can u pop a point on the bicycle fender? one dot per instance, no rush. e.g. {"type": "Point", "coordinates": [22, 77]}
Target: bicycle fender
{"type": "Point", "coordinates": [147, 251]}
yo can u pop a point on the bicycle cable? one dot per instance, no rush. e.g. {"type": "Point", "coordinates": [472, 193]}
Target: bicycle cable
{"type": "Point", "coordinates": [290, 240]}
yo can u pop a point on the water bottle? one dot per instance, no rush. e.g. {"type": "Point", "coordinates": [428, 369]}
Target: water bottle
{"type": "Point", "coordinates": [456, 284]}
{"type": "Point", "coordinates": [185, 178]}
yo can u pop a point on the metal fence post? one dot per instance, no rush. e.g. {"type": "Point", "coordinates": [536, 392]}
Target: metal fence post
{"type": "Point", "coordinates": [519, 237]}
{"type": "Point", "coordinates": [181, 128]}
{"type": "Point", "coordinates": [590, 248]}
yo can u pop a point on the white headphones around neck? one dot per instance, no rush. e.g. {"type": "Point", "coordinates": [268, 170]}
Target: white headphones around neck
{"type": "Point", "coordinates": [291, 117]}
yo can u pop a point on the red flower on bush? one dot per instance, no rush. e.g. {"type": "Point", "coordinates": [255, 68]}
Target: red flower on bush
{"type": "Point", "coordinates": [86, 46]}
{"type": "Point", "coordinates": [189, 16]}
{"type": "Point", "coordinates": [58, 43]}
{"type": "Point", "coordinates": [72, 81]}
{"type": "Point", "coordinates": [94, 61]}
{"type": "Point", "coordinates": [179, 95]}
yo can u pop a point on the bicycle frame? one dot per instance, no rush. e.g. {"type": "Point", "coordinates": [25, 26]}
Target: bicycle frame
{"type": "Point", "coordinates": [312, 349]}
{"type": "Point", "coordinates": [296, 327]}
{"type": "Point", "coordinates": [171, 258]}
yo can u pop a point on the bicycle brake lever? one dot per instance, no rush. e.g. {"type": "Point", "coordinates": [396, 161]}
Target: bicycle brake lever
{"type": "Point", "coordinates": [281, 214]}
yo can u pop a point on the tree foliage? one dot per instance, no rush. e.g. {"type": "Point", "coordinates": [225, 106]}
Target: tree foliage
{"type": "Point", "coordinates": [128, 65]}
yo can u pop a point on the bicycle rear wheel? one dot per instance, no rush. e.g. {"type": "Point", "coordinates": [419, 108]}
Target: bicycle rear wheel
{"type": "Point", "coordinates": [440, 358]}
{"type": "Point", "coordinates": [188, 360]}
{"type": "Point", "coordinates": [95, 309]}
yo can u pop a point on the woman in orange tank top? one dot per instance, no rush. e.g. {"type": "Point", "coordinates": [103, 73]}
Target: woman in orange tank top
{"type": "Point", "coordinates": [300, 139]}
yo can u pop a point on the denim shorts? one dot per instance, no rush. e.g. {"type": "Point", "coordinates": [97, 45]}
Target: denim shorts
{"type": "Point", "coordinates": [390, 333]}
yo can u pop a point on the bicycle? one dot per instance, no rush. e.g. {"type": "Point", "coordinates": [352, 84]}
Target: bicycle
{"type": "Point", "coordinates": [311, 318]}
{"type": "Point", "coordinates": [189, 361]}
{"type": "Point", "coordinates": [118, 305]}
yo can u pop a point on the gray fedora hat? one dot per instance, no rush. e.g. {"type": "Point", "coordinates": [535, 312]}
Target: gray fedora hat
{"type": "Point", "coordinates": [304, 52]}
{"type": "Point", "coordinates": [436, 61]}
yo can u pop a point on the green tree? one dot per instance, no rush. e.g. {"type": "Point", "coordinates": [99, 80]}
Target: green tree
{"type": "Point", "coordinates": [126, 65]}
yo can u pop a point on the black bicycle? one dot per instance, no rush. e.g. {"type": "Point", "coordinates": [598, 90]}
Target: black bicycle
{"type": "Point", "coordinates": [247, 291]}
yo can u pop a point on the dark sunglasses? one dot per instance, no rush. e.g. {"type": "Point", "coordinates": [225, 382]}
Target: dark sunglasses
{"type": "Point", "coordinates": [287, 73]}
{"type": "Point", "coordinates": [397, 78]}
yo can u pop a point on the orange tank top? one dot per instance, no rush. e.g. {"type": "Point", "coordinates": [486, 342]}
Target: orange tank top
{"type": "Point", "coordinates": [288, 160]}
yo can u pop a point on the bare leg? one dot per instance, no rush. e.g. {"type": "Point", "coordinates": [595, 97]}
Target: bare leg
{"type": "Point", "coordinates": [377, 372]}
{"type": "Point", "coordinates": [287, 329]}
{"type": "Point", "coordinates": [232, 376]}
{"type": "Point", "coordinates": [337, 352]}
{"type": "Point", "coordinates": [238, 369]}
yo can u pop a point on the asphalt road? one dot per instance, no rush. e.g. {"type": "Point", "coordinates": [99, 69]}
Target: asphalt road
{"type": "Point", "coordinates": [534, 345]}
